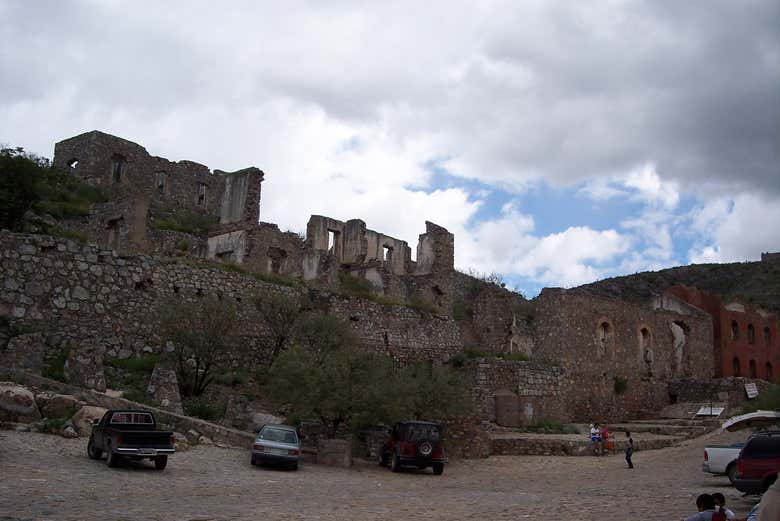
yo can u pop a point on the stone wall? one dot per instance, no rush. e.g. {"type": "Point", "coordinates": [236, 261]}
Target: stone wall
{"type": "Point", "coordinates": [539, 388]}
{"type": "Point", "coordinates": [77, 294]}
{"type": "Point", "coordinates": [620, 357]}
{"type": "Point", "coordinates": [497, 321]}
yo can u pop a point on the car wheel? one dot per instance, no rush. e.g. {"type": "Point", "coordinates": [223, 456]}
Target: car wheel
{"type": "Point", "coordinates": [438, 468]}
{"type": "Point", "coordinates": [92, 452]}
{"type": "Point", "coordinates": [395, 464]}
{"type": "Point", "coordinates": [253, 461]}
{"type": "Point", "coordinates": [294, 466]}
{"type": "Point", "coordinates": [112, 459]}
{"type": "Point", "coordinates": [731, 472]}
{"type": "Point", "coordinates": [160, 462]}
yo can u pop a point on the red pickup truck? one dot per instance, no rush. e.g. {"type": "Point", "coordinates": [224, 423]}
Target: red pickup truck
{"type": "Point", "coordinates": [758, 463]}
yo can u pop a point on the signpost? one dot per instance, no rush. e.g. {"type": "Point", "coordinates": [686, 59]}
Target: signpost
{"type": "Point", "coordinates": [751, 390]}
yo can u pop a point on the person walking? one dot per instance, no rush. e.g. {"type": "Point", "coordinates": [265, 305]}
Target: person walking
{"type": "Point", "coordinates": [629, 449]}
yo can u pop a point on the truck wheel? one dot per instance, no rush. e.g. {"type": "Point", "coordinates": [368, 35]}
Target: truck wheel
{"type": "Point", "coordinates": [395, 464]}
{"type": "Point", "coordinates": [112, 458]}
{"type": "Point", "coordinates": [93, 452]}
{"type": "Point", "coordinates": [160, 462]}
{"type": "Point", "coordinates": [731, 472]}
{"type": "Point", "coordinates": [438, 468]}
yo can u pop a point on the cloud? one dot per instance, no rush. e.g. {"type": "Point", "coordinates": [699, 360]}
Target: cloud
{"type": "Point", "coordinates": [736, 230]}
{"type": "Point", "coordinates": [342, 104]}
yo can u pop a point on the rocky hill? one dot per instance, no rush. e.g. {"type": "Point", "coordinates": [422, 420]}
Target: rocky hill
{"type": "Point", "coordinates": [756, 283]}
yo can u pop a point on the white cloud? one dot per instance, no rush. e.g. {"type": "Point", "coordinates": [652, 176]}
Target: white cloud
{"type": "Point", "coordinates": [651, 188]}
{"type": "Point", "coordinates": [737, 229]}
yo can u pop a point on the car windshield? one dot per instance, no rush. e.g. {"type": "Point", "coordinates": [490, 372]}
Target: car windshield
{"type": "Point", "coordinates": [279, 435]}
{"type": "Point", "coordinates": [422, 432]}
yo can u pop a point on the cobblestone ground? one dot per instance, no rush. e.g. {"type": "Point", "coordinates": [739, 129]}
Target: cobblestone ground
{"type": "Point", "coordinates": [46, 477]}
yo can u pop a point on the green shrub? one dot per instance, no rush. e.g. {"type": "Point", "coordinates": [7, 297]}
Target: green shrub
{"type": "Point", "coordinates": [183, 245]}
{"type": "Point", "coordinates": [355, 287]}
{"type": "Point", "coordinates": [768, 400]}
{"type": "Point", "coordinates": [473, 353]}
{"type": "Point", "coordinates": [462, 311]}
{"type": "Point", "coordinates": [458, 360]}
{"type": "Point", "coordinates": [424, 307]}
{"type": "Point", "coordinates": [64, 209]}
{"type": "Point", "coordinates": [620, 385]}
{"type": "Point", "coordinates": [233, 378]}
{"type": "Point", "coordinates": [515, 357]}
{"type": "Point", "coordinates": [55, 366]}
{"type": "Point", "coordinates": [135, 395]}
{"type": "Point", "coordinates": [138, 364]}
{"type": "Point", "coordinates": [56, 231]}
{"type": "Point", "coordinates": [54, 425]}
{"type": "Point", "coordinates": [200, 409]}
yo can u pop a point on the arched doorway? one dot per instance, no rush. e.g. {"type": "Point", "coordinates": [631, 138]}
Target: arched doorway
{"type": "Point", "coordinates": [735, 369]}
{"type": "Point", "coordinates": [753, 373]}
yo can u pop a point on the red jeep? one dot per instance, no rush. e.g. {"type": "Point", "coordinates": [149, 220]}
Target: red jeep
{"type": "Point", "coordinates": [758, 463]}
{"type": "Point", "coordinates": [414, 444]}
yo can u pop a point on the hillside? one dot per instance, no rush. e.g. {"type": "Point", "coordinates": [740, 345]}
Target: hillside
{"type": "Point", "coordinates": [756, 283]}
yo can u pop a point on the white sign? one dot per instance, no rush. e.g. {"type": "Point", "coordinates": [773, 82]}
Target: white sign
{"type": "Point", "coordinates": [751, 390]}
{"type": "Point", "coordinates": [710, 411]}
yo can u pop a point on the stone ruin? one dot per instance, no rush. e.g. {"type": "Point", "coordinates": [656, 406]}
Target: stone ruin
{"type": "Point", "coordinates": [145, 194]}
{"type": "Point", "coordinates": [565, 352]}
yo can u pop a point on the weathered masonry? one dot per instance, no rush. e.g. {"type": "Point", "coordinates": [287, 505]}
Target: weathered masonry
{"type": "Point", "coordinates": [183, 208]}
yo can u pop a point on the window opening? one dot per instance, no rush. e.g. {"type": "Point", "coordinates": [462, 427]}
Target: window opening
{"type": "Point", "coordinates": [767, 337]}
{"type": "Point", "coordinates": [768, 372]}
{"type": "Point", "coordinates": [117, 169]}
{"type": "Point", "coordinates": [161, 181]}
{"type": "Point", "coordinates": [752, 369]}
{"type": "Point", "coordinates": [201, 201]}
{"type": "Point", "coordinates": [73, 163]}
{"type": "Point", "coordinates": [735, 369]}
{"type": "Point", "coordinates": [113, 236]}
{"type": "Point", "coordinates": [751, 334]}
{"type": "Point", "coordinates": [603, 334]}
{"type": "Point", "coordinates": [734, 330]}
{"type": "Point", "coordinates": [387, 253]}
{"type": "Point", "coordinates": [333, 242]}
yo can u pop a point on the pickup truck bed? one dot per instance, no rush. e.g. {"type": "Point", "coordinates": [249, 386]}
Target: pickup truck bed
{"type": "Point", "coordinates": [722, 459]}
{"type": "Point", "coordinates": [130, 434]}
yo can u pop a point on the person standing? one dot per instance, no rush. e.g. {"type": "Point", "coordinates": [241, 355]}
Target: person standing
{"type": "Point", "coordinates": [629, 449]}
{"type": "Point", "coordinates": [595, 438]}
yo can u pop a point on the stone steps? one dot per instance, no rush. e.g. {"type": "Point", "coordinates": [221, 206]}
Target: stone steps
{"type": "Point", "coordinates": [516, 444]}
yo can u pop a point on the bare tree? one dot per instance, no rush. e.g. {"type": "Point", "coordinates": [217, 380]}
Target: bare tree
{"type": "Point", "coordinates": [201, 333]}
{"type": "Point", "coordinates": [280, 314]}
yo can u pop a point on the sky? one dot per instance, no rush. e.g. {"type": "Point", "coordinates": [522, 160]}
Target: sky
{"type": "Point", "coordinates": [561, 142]}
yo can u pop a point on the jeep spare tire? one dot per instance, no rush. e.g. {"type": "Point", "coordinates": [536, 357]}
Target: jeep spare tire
{"type": "Point", "coordinates": [424, 448]}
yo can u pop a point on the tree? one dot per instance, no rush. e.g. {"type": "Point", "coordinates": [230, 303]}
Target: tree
{"type": "Point", "coordinates": [201, 333]}
{"type": "Point", "coordinates": [20, 177]}
{"type": "Point", "coordinates": [326, 376]}
{"type": "Point", "coordinates": [280, 314]}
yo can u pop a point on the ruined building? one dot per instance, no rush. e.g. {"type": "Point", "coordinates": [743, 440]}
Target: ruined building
{"type": "Point", "coordinates": [567, 355]}
{"type": "Point", "coordinates": [156, 206]}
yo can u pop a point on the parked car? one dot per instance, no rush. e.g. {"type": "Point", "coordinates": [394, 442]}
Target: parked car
{"type": "Point", "coordinates": [277, 445]}
{"type": "Point", "coordinates": [759, 462]}
{"type": "Point", "coordinates": [132, 435]}
{"type": "Point", "coordinates": [722, 459]}
{"type": "Point", "coordinates": [414, 444]}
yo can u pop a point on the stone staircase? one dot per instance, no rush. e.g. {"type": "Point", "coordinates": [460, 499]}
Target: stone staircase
{"type": "Point", "coordinates": [648, 434]}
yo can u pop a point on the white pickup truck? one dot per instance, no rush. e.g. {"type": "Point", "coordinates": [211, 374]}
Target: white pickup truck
{"type": "Point", "coordinates": [722, 459]}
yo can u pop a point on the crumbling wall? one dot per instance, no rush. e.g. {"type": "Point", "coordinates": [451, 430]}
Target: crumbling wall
{"type": "Point", "coordinates": [76, 294]}
{"type": "Point", "coordinates": [140, 187]}
{"type": "Point", "coordinates": [494, 319]}
{"type": "Point", "coordinates": [539, 389]}
{"type": "Point", "coordinates": [620, 357]}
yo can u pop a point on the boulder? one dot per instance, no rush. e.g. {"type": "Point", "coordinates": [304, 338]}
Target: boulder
{"type": "Point", "coordinates": [164, 389]}
{"type": "Point", "coordinates": [192, 436]}
{"type": "Point", "coordinates": [17, 404]}
{"type": "Point", "coordinates": [84, 366]}
{"type": "Point", "coordinates": [69, 432]}
{"type": "Point", "coordinates": [24, 353]}
{"type": "Point", "coordinates": [56, 405]}
{"type": "Point", "coordinates": [82, 420]}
